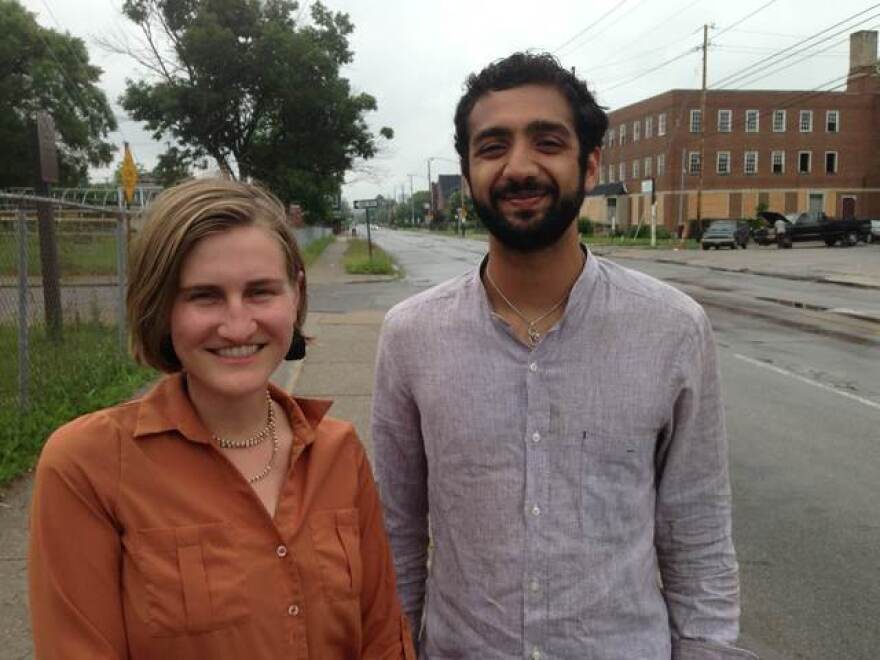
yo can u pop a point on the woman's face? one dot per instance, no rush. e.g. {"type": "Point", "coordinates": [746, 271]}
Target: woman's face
{"type": "Point", "coordinates": [232, 319]}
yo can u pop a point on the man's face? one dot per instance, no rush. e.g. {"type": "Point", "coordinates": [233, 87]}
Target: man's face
{"type": "Point", "coordinates": [523, 158]}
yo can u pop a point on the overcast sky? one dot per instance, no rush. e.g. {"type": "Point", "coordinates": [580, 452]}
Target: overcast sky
{"type": "Point", "coordinates": [413, 56]}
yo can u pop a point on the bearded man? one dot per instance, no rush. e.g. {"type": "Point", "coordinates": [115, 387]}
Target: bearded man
{"type": "Point", "coordinates": [558, 418]}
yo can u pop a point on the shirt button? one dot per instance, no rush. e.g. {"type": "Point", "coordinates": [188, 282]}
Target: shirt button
{"type": "Point", "coordinates": [281, 551]}
{"type": "Point", "coordinates": [536, 437]}
{"type": "Point", "coordinates": [293, 610]}
{"type": "Point", "coordinates": [534, 585]}
{"type": "Point", "coordinates": [536, 510]}
{"type": "Point", "coordinates": [533, 367]}
{"type": "Point", "coordinates": [536, 655]}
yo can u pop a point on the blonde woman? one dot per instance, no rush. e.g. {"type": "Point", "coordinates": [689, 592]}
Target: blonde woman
{"type": "Point", "coordinates": [218, 516]}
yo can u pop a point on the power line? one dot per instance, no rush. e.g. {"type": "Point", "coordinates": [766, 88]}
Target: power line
{"type": "Point", "coordinates": [608, 26]}
{"type": "Point", "coordinates": [689, 51]}
{"type": "Point", "coordinates": [745, 18]}
{"type": "Point", "coordinates": [591, 25]}
{"type": "Point", "coordinates": [767, 61]}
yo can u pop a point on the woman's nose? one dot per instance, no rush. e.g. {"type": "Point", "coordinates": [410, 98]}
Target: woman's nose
{"type": "Point", "coordinates": [238, 324]}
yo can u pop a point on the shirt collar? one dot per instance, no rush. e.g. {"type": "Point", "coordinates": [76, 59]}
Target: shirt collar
{"type": "Point", "coordinates": [167, 407]}
{"type": "Point", "coordinates": [578, 299]}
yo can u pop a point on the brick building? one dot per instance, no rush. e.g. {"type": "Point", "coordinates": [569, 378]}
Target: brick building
{"type": "Point", "coordinates": [794, 151]}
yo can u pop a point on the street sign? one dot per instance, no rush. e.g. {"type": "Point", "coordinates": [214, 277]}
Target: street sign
{"type": "Point", "coordinates": [129, 174]}
{"type": "Point", "coordinates": [367, 204]}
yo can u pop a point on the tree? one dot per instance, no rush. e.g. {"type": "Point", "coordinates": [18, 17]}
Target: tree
{"type": "Point", "coordinates": [41, 69]}
{"type": "Point", "coordinates": [243, 82]}
{"type": "Point", "coordinates": [172, 167]}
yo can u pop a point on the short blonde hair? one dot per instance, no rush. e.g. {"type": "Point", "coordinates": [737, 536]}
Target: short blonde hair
{"type": "Point", "coordinates": [176, 220]}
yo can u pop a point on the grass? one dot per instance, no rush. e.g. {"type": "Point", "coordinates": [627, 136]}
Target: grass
{"type": "Point", "coordinates": [78, 254]}
{"type": "Point", "coordinates": [357, 260]}
{"type": "Point", "coordinates": [84, 373]}
{"type": "Point", "coordinates": [316, 248]}
{"type": "Point", "coordinates": [640, 242]}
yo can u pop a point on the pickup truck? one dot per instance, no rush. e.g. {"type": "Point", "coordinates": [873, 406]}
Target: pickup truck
{"type": "Point", "coordinates": [805, 228]}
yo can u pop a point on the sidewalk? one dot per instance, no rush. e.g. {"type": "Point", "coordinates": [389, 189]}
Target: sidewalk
{"type": "Point", "coordinates": [857, 266]}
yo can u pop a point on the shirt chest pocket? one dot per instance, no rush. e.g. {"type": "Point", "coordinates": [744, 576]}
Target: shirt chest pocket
{"type": "Point", "coordinates": [193, 578]}
{"type": "Point", "coordinates": [336, 539]}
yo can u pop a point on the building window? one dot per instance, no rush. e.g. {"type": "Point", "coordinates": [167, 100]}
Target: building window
{"type": "Point", "coordinates": [725, 119]}
{"type": "Point", "coordinates": [647, 165]}
{"type": "Point", "coordinates": [804, 164]}
{"type": "Point", "coordinates": [694, 162]}
{"type": "Point", "coordinates": [806, 121]}
{"type": "Point", "coordinates": [661, 164]}
{"type": "Point", "coordinates": [696, 121]}
{"type": "Point", "coordinates": [635, 168]}
{"type": "Point", "coordinates": [610, 173]}
{"type": "Point", "coordinates": [611, 134]}
{"type": "Point", "coordinates": [779, 121]}
{"type": "Point", "coordinates": [830, 162]}
{"type": "Point", "coordinates": [637, 126]}
{"type": "Point", "coordinates": [649, 127]}
{"type": "Point", "coordinates": [661, 124]}
{"type": "Point", "coordinates": [832, 121]}
{"type": "Point", "coordinates": [750, 162]}
{"type": "Point", "coordinates": [722, 162]}
{"type": "Point", "coordinates": [621, 172]}
{"type": "Point", "coordinates": [622, 131]}
{"type": "Point", "coordinates": [777, 162]}
{"type": "Point", "coordinates": [752, 121]}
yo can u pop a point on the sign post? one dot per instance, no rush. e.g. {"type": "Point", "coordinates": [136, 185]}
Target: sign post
{"type": "Point", "coordinates": [366, 205]}
{"type": "Point", "coordinates": [648, 187]}
{"type": "Point", "coordinates": [47, 162]}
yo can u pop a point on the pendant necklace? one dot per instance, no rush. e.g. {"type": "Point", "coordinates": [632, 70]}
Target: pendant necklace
{"type": "Point", "coordinates": [531, 326]}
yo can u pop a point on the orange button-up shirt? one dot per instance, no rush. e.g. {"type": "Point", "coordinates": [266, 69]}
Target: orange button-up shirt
{"type": "Point", "coordinates": [146, 542]}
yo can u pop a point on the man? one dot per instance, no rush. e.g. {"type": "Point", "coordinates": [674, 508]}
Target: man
{"type": "Point", "coordinates": [557, 416]}
{"type": "Point", "coordinates": [780, 227]}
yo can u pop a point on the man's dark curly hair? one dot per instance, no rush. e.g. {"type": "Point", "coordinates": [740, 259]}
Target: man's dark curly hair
{"type": "Point", "coordinates": [520, 69]}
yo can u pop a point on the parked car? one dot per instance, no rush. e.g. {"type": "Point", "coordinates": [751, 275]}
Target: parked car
{"type": "Point", "coordinates": [726, 233]}
{"type": "Point", "coordinates": [803, 227]}
{"type": "Point", "coordinates": [875, 231]}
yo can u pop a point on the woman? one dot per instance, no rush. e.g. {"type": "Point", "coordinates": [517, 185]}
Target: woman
{"type": "Point", "coordinates": [216, 517]}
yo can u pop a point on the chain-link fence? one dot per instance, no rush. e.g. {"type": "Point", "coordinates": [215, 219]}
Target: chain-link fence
{"type": "Point", "coordinates": [62, 329]}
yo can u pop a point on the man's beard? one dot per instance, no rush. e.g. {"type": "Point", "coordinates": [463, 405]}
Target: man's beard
{"type": "Point", "coordinates": [539, 233]}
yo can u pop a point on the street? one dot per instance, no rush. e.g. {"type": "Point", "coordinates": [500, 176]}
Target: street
{"type": "Point", "coordinates": [802, 397]}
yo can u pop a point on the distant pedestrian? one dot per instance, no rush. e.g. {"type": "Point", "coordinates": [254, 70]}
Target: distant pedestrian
{"type": "Point", "coordinates": [780, 227]}
{"type": "Point", "coordinates": [554, 419]}
{"type": "Point", "coordinates": [218, 516]}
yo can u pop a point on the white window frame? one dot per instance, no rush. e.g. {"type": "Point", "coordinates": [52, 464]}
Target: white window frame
{"type": "Point", "coordinates": [646, 166]}
{"type": "Point", "coordinates": [828, 115]}
{"type": "Point", "coordinates": [601, 176]}
{"type": "Point", "coordinates": [637, 129]}
{"type": "Point", "coordinates": [776, 115]}
{"type": "Point", "coordinates": [661, 124]}
{"type": "Point", "coordinates": [622, 134]}
{"type": "Point", "coordinates": [756, 115]}
{"type": "Point", "coordinates": [661, 164]}
{"type": "Point", "coordinates": [718, 160]}
{"type": "Point", "coordinates": [621, 172]}
{"type": "Point", "coordinates": [695, 124]}
{"type": "Point", "coordinates": [809, 155]}
{"type": "Point", "coordinates": [693, 163]}
{"type": "Point", "coordinates": [773, 155]}
{"type": "Point", "coordinates": [805, 126]}
{"type": "Point", "coordinates": [649, 127]}
{"type": "Point", "coordinates": [836, 162]}
{"type": "Point", "coordinates": [610, 173]}
{"type": "Point", "coordinates": [725, 125]}
{"type": "Point", "coordinates": [611, 134]}
{"type": "Point", "coordinates": [635, 169]}
{"type": "Point", "coordinates": [746, 157]}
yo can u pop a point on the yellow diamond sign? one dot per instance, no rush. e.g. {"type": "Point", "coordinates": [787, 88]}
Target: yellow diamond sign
{"type": "Point", "coordinates": [129, 174]}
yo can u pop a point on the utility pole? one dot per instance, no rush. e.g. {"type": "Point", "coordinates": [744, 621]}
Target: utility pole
{"type": "Point", "coordinates": [412, 202]}
{"type": "Point", "coordinates": [703, 125]}
{"type": "Point", "coordinates": [430, 191]}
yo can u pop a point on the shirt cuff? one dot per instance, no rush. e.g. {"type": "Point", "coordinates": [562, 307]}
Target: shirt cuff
{"type": "Point", "coordinates": [695, 649]}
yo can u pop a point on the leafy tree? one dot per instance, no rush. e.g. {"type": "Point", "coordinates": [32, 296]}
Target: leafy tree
{"type": "Point", "coordinates": [41, 69]}
{"type": "Point", "coordinates": [245, 83]}
{"type": "Point", "coordinates": [172, 167]}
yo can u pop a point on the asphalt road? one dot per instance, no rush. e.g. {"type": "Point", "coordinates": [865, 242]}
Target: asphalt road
{"type": "Point", "coordinates": [802, 395]}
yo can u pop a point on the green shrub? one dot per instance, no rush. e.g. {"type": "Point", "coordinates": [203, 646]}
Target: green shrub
{"type": "Point", "coordinates": [585, 226]}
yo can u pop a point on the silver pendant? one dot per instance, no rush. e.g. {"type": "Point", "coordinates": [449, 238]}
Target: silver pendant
{"type": "Point", "coordinates": [534, 336]}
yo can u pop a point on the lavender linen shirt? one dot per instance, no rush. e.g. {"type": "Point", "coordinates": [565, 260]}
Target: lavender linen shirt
{"type": "Point", "coordinates": [558, 480]}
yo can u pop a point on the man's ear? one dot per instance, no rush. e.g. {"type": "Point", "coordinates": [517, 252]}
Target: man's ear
{"type": "Point", "coordinates": [591, 170]}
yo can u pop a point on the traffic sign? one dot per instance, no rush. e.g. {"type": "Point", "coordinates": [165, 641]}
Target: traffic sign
{"type": "Point", "coordinates": [367, 204]}
{"type": "Point", "coordinates": [129, 174]}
